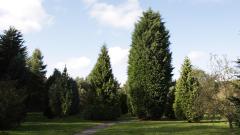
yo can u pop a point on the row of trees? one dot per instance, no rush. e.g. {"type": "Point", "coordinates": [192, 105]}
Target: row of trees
{"type": "Point", "coordinates": [24, 86]}
{"type": "Point", "coordinates": [150, 92]}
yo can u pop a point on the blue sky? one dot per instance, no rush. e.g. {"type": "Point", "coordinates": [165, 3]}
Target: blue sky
{"type": "Point", "coordinates": [72, 32]}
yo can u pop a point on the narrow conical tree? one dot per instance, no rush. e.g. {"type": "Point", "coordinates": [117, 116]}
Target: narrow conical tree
{"type": "Point", "coordinates": [187, 90]}
{"type": "Point", "coordinates": [107, 105]}
{"type": "Point", "coordinates": [150, 69]}
{"type": "Point", "coordinates": [65, 93]}
{"type": "Point", "coordinates": [36, 87]}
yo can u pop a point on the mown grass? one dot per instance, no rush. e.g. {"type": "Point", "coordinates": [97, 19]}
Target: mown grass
{"type": "Point", "coordinates": [169, 128]}
{"type": "Point", "coordinates": [36, 124]}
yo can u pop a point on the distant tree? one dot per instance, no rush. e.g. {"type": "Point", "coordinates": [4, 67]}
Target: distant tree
{"type": "Point", "coordinates": [150, 69]}
{"type": "Point", "coordinates": [107, 104]}
{"type": "Point", "coordinates": [225, 75]}
{"type": "Point", "coordinates": [66, 94]}
{"type": "Point", "coordinates": [36, 87]}
{"type": "Point", "coordinates": [63, 96]}
{"type": "Point", "coordinates": [75, 105]}
{"type": "Point", "coordinates": [87, 97]}
{"type": "Point", "coordinates": [187, 90]}
{"type": "Point", "coordinates": [13, 78]}
{"type": "Point", "coordinates": [206, 102]}
{"type": "Point", "coordinates": [52, 95]}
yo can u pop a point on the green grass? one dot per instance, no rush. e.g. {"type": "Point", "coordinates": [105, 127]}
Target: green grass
{"type": "Point", "coordinates": [36, 124]}
{"type": "Point", "coordinates": [136, 127]}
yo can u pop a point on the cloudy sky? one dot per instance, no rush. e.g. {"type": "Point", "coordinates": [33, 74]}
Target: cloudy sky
{"type": "Point", "coordinates": [71, 32]}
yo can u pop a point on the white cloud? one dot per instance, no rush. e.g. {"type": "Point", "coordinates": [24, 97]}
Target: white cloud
{"type": "Point", "coordinates": [74, 63]}
{"type": "Point", "coordinates": [197, 55]}
{"type": "Point", "coordinates": [123, 15]}
{"type": "Point", "coordinates": [199, 1]}
{"type": "Point", "coordinates": [26, 15]}
{"type": "Point", "coordinates": [119, 61]}
{"type": "Point", "coordinates": [118, 55]}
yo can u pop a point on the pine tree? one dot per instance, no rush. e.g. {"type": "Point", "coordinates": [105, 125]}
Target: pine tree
{"type": "Point", "coordinates": [187, 90]}
{"type": "Point", "coordinates": [75, 97]}
{"type": "Point", "coordinates": [13, 57]}
{"type": "Point", "coordinates": [36, 87]}
{"type": "Point", "coordinates": [36, 64]}
{"type": "Point", "coordinates": [13, 78]}
{"type": "Point", "coordinates": [150, 69]}
{"type": "Point", "coordinates": [65, 93]}
{"type": "Point", "coordinates": [52, 103]}
{"type": "Point", "coordinates": [107, 104]}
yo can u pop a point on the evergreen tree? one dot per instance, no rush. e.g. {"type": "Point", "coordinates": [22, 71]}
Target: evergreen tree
{"type": "Point", "coordinates": [13, 78]}
{"type": "Point", "coordinates": [36, 87]}
{"type": "Point", "coordinates": [150, 69]}
{"type": "Point", "coordinates": [75, 97]}
{"type": "Point", "coordinates": [65, 93]}
{"type": "Point", "coordinates": [187, 90]}
{"type": "Point", "coordinates": [169, 112]}
{"type": "Point", "coordinates": [107, 104]}
{"type": "Point", "coordinates": [13, 57]}
{"type": "Point", "coordinates": [52, 102]}
{"type": "Point", "coordinates": [63, 97]}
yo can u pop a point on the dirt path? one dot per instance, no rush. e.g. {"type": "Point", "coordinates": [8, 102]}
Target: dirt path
{"type": "Point", "coordinates": [95, 129]}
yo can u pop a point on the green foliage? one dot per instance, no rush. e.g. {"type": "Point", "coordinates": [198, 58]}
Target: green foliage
{"type": "Point", "coordinates": [61, 98]}
{"type": "Point", "coordinates": [12, 110]}
{"type": "Point", "coordinates": [13, 57]}
{"type": "Point", "coordinates": [13, 69]}
{"type": "Point", "coordinates": [36, 87]}
{"type": "Point", "coordinates": [236, 100]}
{"type": "Point", "coordinates": [106, 105]}
{"type": "Point", "coordinates": [187, 90]}
{"type": "Point", "coordinates": [123, 100]}
{"type": "Point", "coordinates": [169, 112]}
{"type": "Point", "coordinates": [150, 69]}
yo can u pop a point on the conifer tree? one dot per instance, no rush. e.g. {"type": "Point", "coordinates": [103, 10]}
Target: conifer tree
{"type": "Point", "coordinates": [65, 93]}
{"type": "Point", "coordinates": [13, 56]}
{"type": "Point", "coordinates": [187, 90]}
{"type": "Point", "coordinates": [13, 78]}
{"type": "Point", "coordinates": [36, 87]}
{"type": "Point", "coordinates": [107, 104]}
{"type": "Point", "coordinates": [150, 69]}
{"type": "Point", "coordinates": [52, 103]}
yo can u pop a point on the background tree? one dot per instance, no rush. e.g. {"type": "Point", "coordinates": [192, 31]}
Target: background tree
{"type": "Point", "coordinates": [13, 78]}
{"type": "Point", "coordinates": [51, 94]}
{"type": "Point", "coordinates": [60, 95]}
{"type": "Point", "coordinates": [36, 88]}
{"type": "Point", "coordinates": [187, 90]}
{"type": "Point", "coordinates": [225, 75]}
{"type": "Point", "coordinates": [150, 69]}
{"type": "Point", "coordinates": [107, 104]}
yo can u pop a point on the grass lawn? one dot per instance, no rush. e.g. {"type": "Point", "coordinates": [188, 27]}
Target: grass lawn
{"type": "Point", "coordinates": [36, 124]}
{"type": "Point", "coordinates": [169, 128]}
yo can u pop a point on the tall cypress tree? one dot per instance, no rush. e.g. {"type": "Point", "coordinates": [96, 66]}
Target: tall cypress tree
{"type": "Point", "coordinates": [36, 87]}
{"type": "Point", "coordinates": [107, 104]}
{"type": "Point", "coordinates": [150, 69]}
{"type": "Point", "coordinates": [13, 78]}
{"type": "Point", "coordinates": [187, 90]}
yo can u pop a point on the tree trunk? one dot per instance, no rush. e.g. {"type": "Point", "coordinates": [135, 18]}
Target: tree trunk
{"type": "Point", "coordinates": [230, 124]}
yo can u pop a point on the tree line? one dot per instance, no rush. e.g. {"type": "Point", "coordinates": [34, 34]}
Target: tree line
{"type": "Point", "coordinates": [149, 93]}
